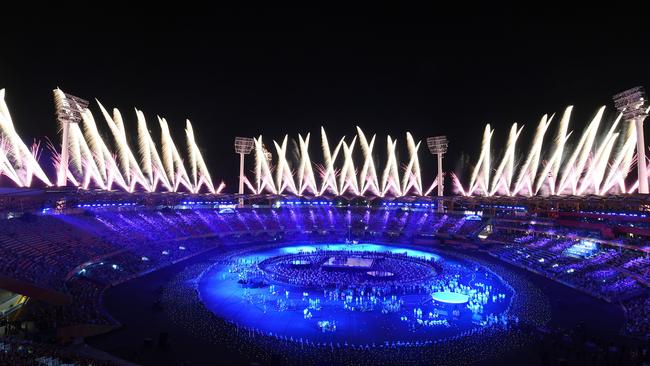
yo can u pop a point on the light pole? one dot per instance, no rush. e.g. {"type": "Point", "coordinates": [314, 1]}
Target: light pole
{"type": "Point", "coordinates": [243, 146]}
{"type": "Point", "coordinates": [438, 146]}
{"type": "Point", "coordinates": [68, 110]}
{"type": "Point", "coordinates": [631, 103]}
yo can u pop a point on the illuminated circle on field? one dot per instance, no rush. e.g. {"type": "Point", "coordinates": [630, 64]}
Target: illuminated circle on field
{"type": "Point", "coordinates": [365, 293]}
{"type": "Point", "coordinates": [449, 297]}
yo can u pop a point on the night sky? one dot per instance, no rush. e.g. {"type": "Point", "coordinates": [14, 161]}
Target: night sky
{"type": "Point", "coordinates": [247, 72]}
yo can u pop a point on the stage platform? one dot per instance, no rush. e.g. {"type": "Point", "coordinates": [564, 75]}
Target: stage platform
{"type": "Point", "coordinates": [351, 262]}
{"type": "Point", "coordinates": [448, 297]}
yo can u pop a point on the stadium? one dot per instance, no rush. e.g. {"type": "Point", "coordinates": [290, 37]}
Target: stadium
{"type": "Point", "coordinates": [113, 255]}
{"type": "Point", "coordinates": [324, 185]}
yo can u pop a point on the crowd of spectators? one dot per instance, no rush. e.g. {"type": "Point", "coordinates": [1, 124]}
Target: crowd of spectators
{"type": "Point", "coordinates": [614, 273]}
{"type": "Point", "coordinates": [21, 352]}
{"type": "Point", "coordinates": [638, 317]}
{"type": "Point", "coordinates": [609, 272]}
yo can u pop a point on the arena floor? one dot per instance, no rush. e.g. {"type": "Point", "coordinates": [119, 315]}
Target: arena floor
{"type": "Point", "coordinates": [345, 305]}
{"type": "Point", "coordinates": [206, 287]}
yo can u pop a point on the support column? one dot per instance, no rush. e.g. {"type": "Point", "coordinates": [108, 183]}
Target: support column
{"type": "Point", "coordinates": [241, 173]}
{"type": "Point", "coordinates": [441, 179]}
{"type": "Point", "coordinates": [241, 178]}
{"type": "Point", "coordinates": [62, 176]}
{"type": "Point", "coordinates": [640, 151]}
{"type": "Point", "coordinates": [441, 185]}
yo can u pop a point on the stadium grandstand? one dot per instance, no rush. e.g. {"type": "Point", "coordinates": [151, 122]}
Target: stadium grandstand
{"type": "Point", "coordinates": [63, 248]}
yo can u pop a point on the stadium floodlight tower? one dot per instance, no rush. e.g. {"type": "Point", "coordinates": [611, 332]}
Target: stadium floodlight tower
{"type": "Point", "coordinates": [68, 110]}
{"type": "Point", "coordinates": [243, 146]}
{"type": "Point", "coordinates": [631, 103]}
{"type": "Point", "coordinates": [438, 146]}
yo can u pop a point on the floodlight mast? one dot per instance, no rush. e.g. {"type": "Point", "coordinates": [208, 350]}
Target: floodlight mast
{"type": "Point", "coordinates": [68, 110]}
{"type": "Point", "coordinates": [243, 146]}
{"type": "Point", "coordinates": [438, 146]}
{"type": "Point", "coordinates": [632, 104]}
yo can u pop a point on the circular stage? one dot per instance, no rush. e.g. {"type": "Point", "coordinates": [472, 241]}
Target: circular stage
{"type": "Point", "coordinates": [336, 268]}
{"type": "Point", "coordinates": [448, 297]}
{"type": "Point", "coordinates": [353, 294]}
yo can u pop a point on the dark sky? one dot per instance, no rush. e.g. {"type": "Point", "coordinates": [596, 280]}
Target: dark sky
{"type": "Point", "coordinates": [246, 72]}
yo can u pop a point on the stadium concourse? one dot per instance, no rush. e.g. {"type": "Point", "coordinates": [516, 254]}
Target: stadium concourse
{"type": "Point", "coordinates": [560, 280]}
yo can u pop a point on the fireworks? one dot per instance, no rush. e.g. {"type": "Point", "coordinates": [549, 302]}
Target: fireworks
{"type": "Point", "coordinates": [91, 162]}
{"type": "Point", "coordinates": [595, 165]}
{"type": "Point", "coordinates": [17, 161]}
{"type": "Point", "coordinates": [339, 174]}
{"type": "Point", "coordinates": [598, 161]}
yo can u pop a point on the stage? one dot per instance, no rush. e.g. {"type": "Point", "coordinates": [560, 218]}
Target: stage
{"type": "Point", "coordinates": [348, 262]}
